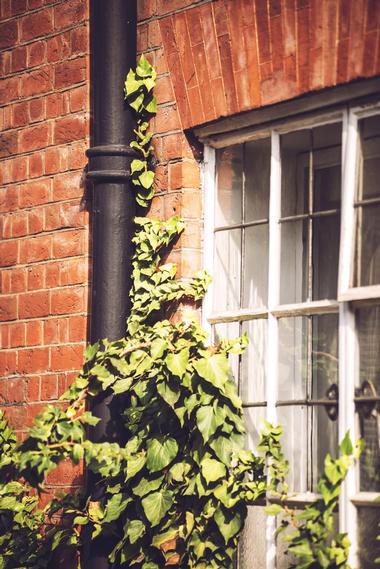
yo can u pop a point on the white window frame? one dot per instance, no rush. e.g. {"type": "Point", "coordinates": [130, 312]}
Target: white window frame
{"type": "Point", "coordinates": [348, 345]}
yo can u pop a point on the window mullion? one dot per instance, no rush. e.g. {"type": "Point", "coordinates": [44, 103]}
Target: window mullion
{"type": "Point", "coordinates": [273, 301]}
{"type": "Point", "coordinates": [209, 196]}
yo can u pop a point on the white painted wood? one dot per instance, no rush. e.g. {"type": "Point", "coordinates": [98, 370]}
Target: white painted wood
{"type": "Point", "coordinates": [273, 300]}
{"type": "Point", "coordinates": [209, 192]}
{"type": "Point", "coordinates": [347, 233]}
{"type": "Point", "coordinates": [360, 293]}
{"type": "Point", "coordinates": [306, 308]}
{"type": "Point", "coordinates": [239, 315]}
{"type": "Point", "coordinates": [348, 369]}
{"type": "Point", "coordinates": [370, 499]}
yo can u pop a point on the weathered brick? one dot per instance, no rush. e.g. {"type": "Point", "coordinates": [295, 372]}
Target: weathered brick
{"type": "Point", "coordinates": [18, 59]}
{"type": "Point", "coordinates": [33, 360]}
{"type": "Point", "coordinates": [69, 128]}
{"type": "Point", "coordinates": [49, 387]}
{"type": "Point", "coordinates": [20, 114]}
{"type": "Point", "coordinates": [36, 110]}
{"type": "Point", "coordinates": [35, 249]}
{"type": "Point", "coordinates": [18, 7]}
{"type": "Point", "coordinates": [19, 224]}
{"type": "Point", "coordinates": [37, 82]}
{"type": "Point", "coordinates": [34, 138]}
{"type": "Point", "coordinates": [8, 34]}
{"type": "Point", "coordinates": [34, 333]}
{"type": "Point", "coordinates": [58, 47]}
{"type": "Point", "coordinates": [69, 73]}
{"type": "Point", "coordinates": [79, 40]}
{"type": "Point", "coordinates": [8, 144]}
{"type": "Point", "coordinates": [34, 304]}
{"type": "Point", "coordinates": [8, 253]}
{"type": "Point", "coordinates": [34, 193]}
{"type": "Point", "coordinates": [36, 165]}
{"type": "Point", "coordinates": [32, 388]}
{"type": "Point", "coordinates": [69, 13]}
{"type": "Point", "coordinates": [36, 53]}
{"type": "Point", "coordinates": [67, 186]}
{"type": "Point", "coordinates": [67, 301]}
{"type": "Point", "coordinates": [16, 334]}
{"type": "Point", "coordinates": [36, 277]}
{"type": "Point", "coordinates": [67, 357]}
{"type": "Point", "coordinates": [37, 24]}
{"type": "Point", "coordinates": [18, 280]}
{"type": "Point", "coordinates": [19, 169]}
{"type": "Point", "coordinates": [8, 308]}
{"type": "Point", "coordinates": [8, 363]}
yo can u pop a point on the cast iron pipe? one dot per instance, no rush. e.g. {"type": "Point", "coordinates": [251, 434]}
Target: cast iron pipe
{"type": "Point", "coordinates": [113, 52]}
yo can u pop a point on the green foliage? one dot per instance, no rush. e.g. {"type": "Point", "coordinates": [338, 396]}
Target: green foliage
{"type": "Point", "coordinates": [312, 539]}
{"type": "Point", "coordinates": [177, 491]}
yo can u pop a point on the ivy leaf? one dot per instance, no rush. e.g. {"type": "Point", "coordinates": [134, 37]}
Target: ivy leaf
{"type": "Point", "coordinates": [177, 363]}
{"type": "Point", "coordinates": [214, 369]}
{"type": "Point", "coordinates": [169, 395]}
{"type": "Point", "coordinates": [90, 352]}
{"type": "Point", "coordinates": [273, 509]}
{"type": "Point", "coordinates": [135, 464]}
{"type": "Point", "coordinates": [212, 469]}
{"type": "Point", "coordinates": [146, 179]}
{"type": "Point", "coordinates": [208, 421]}
{"type": "Point", "coordinates": [228, 529]}
{"type": "Point", "coordinates": [134, 530]}
{"type": "Point", "coordinates": [160, 453]}
{"type": "Point", "coordinates": [145, 486]}
{"type": "Point", "coordinates": [346, 446]}
{"type": "Point", "coordinates": [156, 505]}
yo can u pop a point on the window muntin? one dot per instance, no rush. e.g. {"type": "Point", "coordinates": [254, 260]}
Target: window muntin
{"type": "Point", "coordinates": [322, 320]}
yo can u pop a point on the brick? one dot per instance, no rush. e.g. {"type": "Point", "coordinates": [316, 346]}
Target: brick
{"type": "Point", "coordinates": [9, 198]}
{"type": "Point", "coordinates": [34, 304]}
{"type": "Point", "coordinates": [77, 158]}
{"type": "Point", "coordinates": [69, 73]}
{"type": "Point", "coordinates": [167, 119]}
{"type": "Point", "coordinates": [37, 24]}
{"type": "Point", "coordinates": [67, 474]}
{"type": "Point", "coordinates": [54, 331]}
{"type": "Point", "coordinates": [35, 221]}
{"type": "Point", "coordinates": [3, 384]}
{"type": "Point", "coordinates": [8, 34]}
{"type": "Point", "coordinates": [68, 243]}
{"type": "Point", "coordinates": [54, 105]}
{"type": "Point", "coordinates": [8, 308]}
{"type": "Point", "coordinates": [33, 360]}
{"type": "Point", "coordinates": [17, 7]}
{"type": "Point", "coordinates": [19, 170]}
{"type": "Point", "coordinates": [146, 9]}
{"type": "Point", "coordinates": [18, 280]}
{"type": "Point", "coordinates": [77, 328]}
{"type": "Point", "coordinates": [8, 144]}
{"type": "Point", "coordinates": [73, 271]}
{"type": "Point", "coordinates": [8, 253]}
{"type": "Point", "coordinates": [49, 387]}
{"type": "Point", "coordinates": [63, 215]}
{"type": "Point", "coordinates": [36, 165]}
{"type": "Point", "coordinates": [68, 185]}
{"type": "Point", "coordinates": [58, 47]}
{"type": "Point", "coordinates": [34, 333]}
{"type": "Point", "coordinates": [78, 99]}
{"type": "Point", "coordinates": [69, 129]}
{"type": "Point", "coordinates": [20, 114]}
{"type": "Point", "coordinates": [19, 224]}
{"type": "Point", "coordinates": [69, 13]}
{"type": "Point", "coordinates": [52, 275]}
{"type": "Point", "coordinates": [35, 249]}
{"type": "Point", "coordinates": [34, 138]}
{"type": "Point", "coordinates": [164, 90]}
{"type": "Point", "coordinates": [36, 277]}
{"type": "Point", "coordinates": [67, 301]}
{"type": "Point", "coordinates": [34, 193]}
{"type": "Point", "coordinates": [32, 388]}
{"type": "Point", "coordinates": [184, 175]}
{"type": "Point", "coordinates": [79, 40]}
{"type": "Point", "coordinates": [33, 4]}
{"type": "Point", "coordinates": [37, 82]}
{"type": "Point", "coordinates": [18, 59]}
{"type": "Point", "coordinates": [16, 334]}
{"type": "Point", "coordinates": [67, 357]}
{"type": "Point", "coordinates": [36, 110]}
{"type": "Point", "coordinates": [15, 390]}
{"type": "Point", "coordinates": [36, 53]}
{"type": "Point", "coordinates": [8, 362]}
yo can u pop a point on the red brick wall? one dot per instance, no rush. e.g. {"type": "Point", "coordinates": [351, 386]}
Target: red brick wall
{"type": "Point", "coordinates": [44, 117]}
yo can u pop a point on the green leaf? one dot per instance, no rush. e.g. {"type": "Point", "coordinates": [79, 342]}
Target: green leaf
{"type": "Point", "coordinates": [145, 486]}
{"type": "Point", "coordinates": [212, 469]}
{"type": "Point", "coordinates": [160, 453]}
{"type": "Point", "coordinates": [134, 464]}
{"type": "Point", "coordinates": [214, 369]}
{"type": "Point", "coordinates": [169, 395]}
{"type": "Point", "coordinates": [177, 363]}
{"type": "Point", "coordinates": [156, 505]}
{"type": "Point", "coordinates": [134, 529]}
{"type": "Point", "coordinates": [346, 446]}
{"type": "Point", "coordinates": [273, 509]}
{"type": "Point", "coordinates": [230, 528]}
{"type": "Point", "coordinates": [146, 179]}
{"type": "Point", "coordinates": [207, 421]}
{"type": "Point", "coordinates": [90, 352]}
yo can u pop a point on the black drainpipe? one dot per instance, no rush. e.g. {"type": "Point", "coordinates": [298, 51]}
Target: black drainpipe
{"type": "Point", "coordinates": [113, 53]}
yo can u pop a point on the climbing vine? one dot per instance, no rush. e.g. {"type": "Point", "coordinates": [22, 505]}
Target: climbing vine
{"type": "Point", "coordinates": [176, 493]}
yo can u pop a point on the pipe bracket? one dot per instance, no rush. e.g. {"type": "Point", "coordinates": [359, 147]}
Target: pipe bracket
{"type": "Point", "coordinates": [110, 162]}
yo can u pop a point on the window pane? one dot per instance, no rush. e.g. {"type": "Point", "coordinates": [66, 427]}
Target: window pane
{"type": "Point", "coordinates": [229, 167]}
{"type": "Point", "coordinates": [255, 266]}
{"type": "Point", "coordinates": [324, 354]}
{"type": "Point", "coordinates": [253, 420]}
{"type": "Point", "coordinates": [368, 327]}
{"type": "Point", "coordinates": [368, 530]}
{"type": "Point", "coordinates": [294, 262]}
{"type": "Point", "coordinates": [326, 231]}
{"type": "Point", "coordinates": [257, 179]}
{"type": "Point", "coordinates": [370, 148]}
{"type": "Point", "coordinates": [227, 270]}
{"type": "Point", "coordinates": [252, 546]}
{"type": "Point", "coordinates": [368, 246]}
{"type": "Point", "coordinates": [228, 331]}
{"type": "Point", "coordinates": [292, 372]}
{"type": "Point", "coordinates": [324, 439]}
{"type": "Point", "coordinates": [295, 174]}
{"type": "Point", "coordinates": [295, 444]}
{"type": "Point", "coordinates": [253, 364]}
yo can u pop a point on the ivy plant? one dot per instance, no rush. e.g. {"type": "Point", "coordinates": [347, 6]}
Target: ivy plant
{"type": "Point", "coordinates": [176, 492]}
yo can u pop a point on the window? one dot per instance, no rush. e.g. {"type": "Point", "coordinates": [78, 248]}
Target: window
{"type": "Point", "coordinates": [292, 238]}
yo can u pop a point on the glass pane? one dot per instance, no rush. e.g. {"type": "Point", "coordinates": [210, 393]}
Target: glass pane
{"type": "Point", "coordinates": [229, 168]}
{"type": "Point", "coordinates": [295, 444]}
{"type": "Point", "coordinates": [324, 440]}
{"type": "Point", "coordinates": [253, 420]}
{"type": "Point", "coordinates": [368, 246]}
{"type": "Point", "coordinates": [228, 331]}
{"type": "Point", "coordinates": [227, 270]}
{"type": "Point", "coordinates": [295, 174]}
{"type": "Point", "coordinates": [294, 262]}
{"type": "Point", "coordinates": [370, 147]}
{"type": "Point", "coordinates": [327, 184]}
{"type": "Point", "coordinates": [253, 364]}
{"type": "Point", "coordinates": [324, 354]}
{"type": "Point", "coordinates": [326, 231]}
{"type": "Point", "coordinates": [255, 266]}
{"type": "Point", "coordinates": [368, 328]}
{"type": "Point", "coordinates": [368, 530]}
{"type": "Point", "coordinates": [257, 179]}
{"type": "Point", "coordinates": [292, 372]}
{"type": "Point", "coordinates": [252, 546]}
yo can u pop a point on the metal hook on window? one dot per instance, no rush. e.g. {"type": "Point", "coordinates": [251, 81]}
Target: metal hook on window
{"type": "Point", "coordinates": [332, 394]}
{"type": "Point", "coordinates": [366, 399]}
